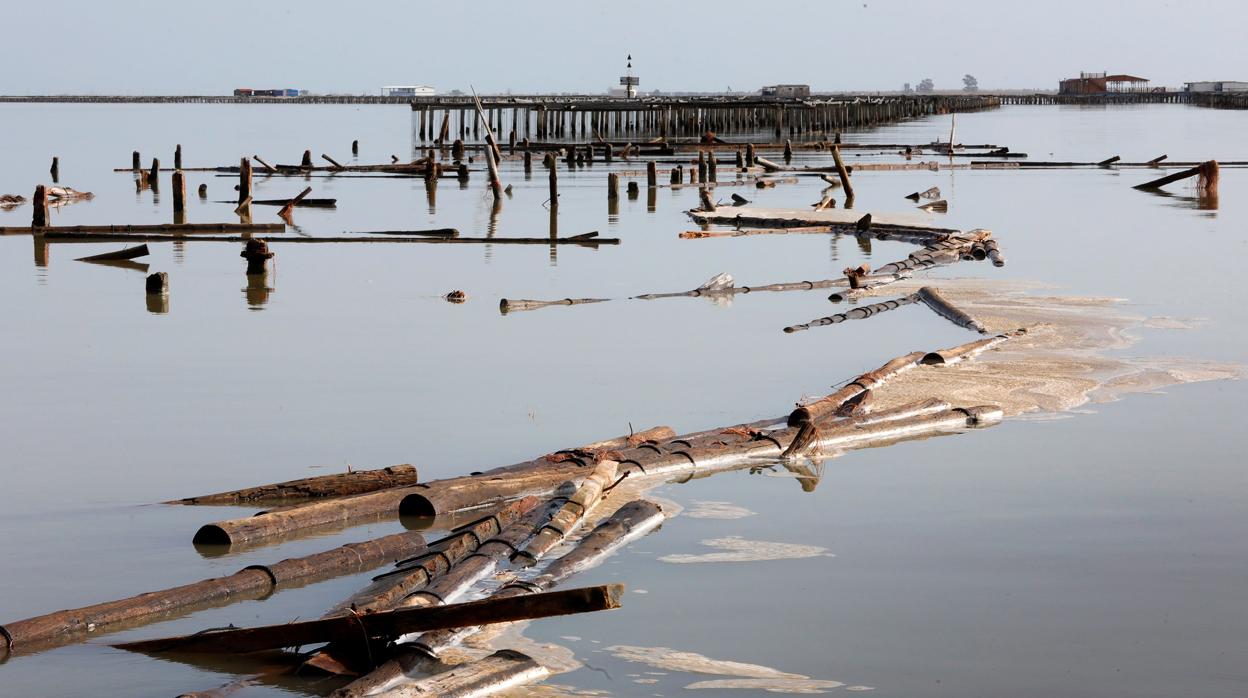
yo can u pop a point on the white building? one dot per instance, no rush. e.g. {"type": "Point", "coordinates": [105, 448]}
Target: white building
{"type": "Point", "coordinates": [408, 91]}
{"type": "Point", "coordinates": [1218, 86]}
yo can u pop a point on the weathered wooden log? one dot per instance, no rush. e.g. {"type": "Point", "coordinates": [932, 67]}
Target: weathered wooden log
{"type": "Point", "coordinates": [940, 206]}
{"type": "Point", "coordinates": [60, 235]}
{"type": "Point", "coordinates": [628, 523]}
{"type": "Point", "coordinates": [659, 433]}
{"type": "Point", "coordinates": [153, 175]}
{"type": "Point", "coordinates": [179, 192]}
{"type": "Point", "coordinates": [267, 167]}
{"type": "Point", "coordinates": [1157, 160]}
{"type": "Point", "coordinates": [253, 582]}
{"type": "Point", "coordinates": [290, 205]}
{"type": "Point", "coordinates": [116, 230]}
{"type": "Point", "coordinates": [503, 670]}
{"type": "Point", "coordinates": [829, 404]}
{"type": "Point", "coordinates": [932, 299]}
{"type": "Point", "coordinates": [1184, 174]}
{"type": "Point", "coordinates": [301, 203]}
{"type": "Point", "coordinates": [860, 313]}
{"type": "Point", "coordinates": [475, 491]}
{"type": "Point", "coordinates": [994, 253]}
{"type": "Point", "coordinates": [652, 174]}
{"type": "Point", "coordinates": [128, 253]}
{"type": "Point", "coordinates": [508, 305]}
{"type": "Point", "coordinates": [769, 165]}
{"type": "Point", "coordinates": [963, 352]}
{"type": "Point", "coordinates": [843, 174]}
{"type": "Point", "coordinates": [336, 485]}
{"type": "Point", "coordinates": [337, 165]}
{"type": "Point", "coordinates": [569, 516]}
{"type": "Point", "coordinates": [613, 186]}
{"type": "Point", "coordinates": [750, 158]}
{"type": "Point", "coordinates": [387, 625]}
{"type": "Point", "coordinates": [177, 157]}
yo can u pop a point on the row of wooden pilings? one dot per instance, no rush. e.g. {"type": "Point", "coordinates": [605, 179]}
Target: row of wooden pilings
{"type": "Point", "coordinates": [441, 119]}
{"type": "Point", "coordinates": [1044, 98]}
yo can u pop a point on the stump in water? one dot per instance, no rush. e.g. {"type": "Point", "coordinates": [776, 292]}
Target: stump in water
{"type": "Point", "coordinates": [307, 160]}
{"type": "Point", "coordinates": [257, 255]}
{"type": "Point", "coordinates": [56, 169]}
{"type": "Point", "coordinates": [613, 186]}
{"type": "Point", "coordinates": [179, 192]}
{"type": "Point", "coordinates": [158, 283]}
{"type": "Point", "coordinates": [40, 202]}
{"type": "Point", "coordinates": [203, 191]}
{"type": "Point", "coordinates": [177, 157]}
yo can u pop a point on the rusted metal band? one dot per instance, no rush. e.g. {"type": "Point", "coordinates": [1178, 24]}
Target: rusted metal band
{"type": "Point", "coordinates": [265, 569]}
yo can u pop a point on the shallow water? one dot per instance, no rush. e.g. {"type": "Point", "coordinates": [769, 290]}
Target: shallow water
{"type": "Point", "coordinates": [1094, 555]}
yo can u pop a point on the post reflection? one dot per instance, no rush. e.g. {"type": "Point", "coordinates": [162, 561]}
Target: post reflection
{"type": "Point", "coordinates": [258, 290]}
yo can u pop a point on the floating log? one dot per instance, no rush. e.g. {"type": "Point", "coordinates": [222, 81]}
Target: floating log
{"type": "Point", "coordinates": [994, 253]}
{"type": "Point", "coordinates": [569, 516]}
{"type": "Point", "coordinates": [68, 235]}
{"type": "Point", "coordinates": [159, 227]}
{"type": "Point", "coordinates": [630, 522]}
{"type": "Point", "coordinates": [432, 232]}
{"type": "Point", "coordinates": [267, 167]}
{"type": "Point", "coordinates": [337, 165]}
{"type": "Point", "coordinates": [932, 298]}
{"type": "Point", "coordinates": [870, 380]}
{"type": "Point", "coordinates": [387, 625]}
{"type": "Point", "coordinates": [1208, 171]}
{"type": "Point", "coordinates": [508, 305]}
{"type": "Point", "coordinates": [128, 253]}
{"type": "Point", "coordinates": [660, 433]}
{"type": "Point", "coordinates": [1109, 161]}
{"type": "Point", "coordinates": [336, 485]}
{"type": "Point", "coordinates": [860, 313]}
{"type": "Point", "coordinates": [301, 203]}
{"type": "Point", "coordinates": [963, 352]}
{"type": "Point", "coordinates": [253, 582]}
{"type": "Point", "coordinates": [291, 203]}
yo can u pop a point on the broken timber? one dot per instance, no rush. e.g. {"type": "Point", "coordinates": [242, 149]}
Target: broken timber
{"type": "Point", "coordinates": [388, 624]}
{"type": "Point", "coordinates": [498, 672]}
{"type": "Point", "coordinates": [511, 305]}
{"type": "Point", "coordinates": [860, 313]}
{"type": "Point", "coordinates": [128, 253]}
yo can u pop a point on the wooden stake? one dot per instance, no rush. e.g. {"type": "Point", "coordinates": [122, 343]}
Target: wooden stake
{"type": "Point", "coordinates": [244, 180]}
{"type": "Point", "coordinates": [613, 186]}
{"type": "Point", "coordinates": [179, 192]}
{"type": "Point", "coordinates": [843, 174]}
{"type": "Point", "coordinates": [39, 201]}
{"type": "Point", "coordinates": [177, 157]}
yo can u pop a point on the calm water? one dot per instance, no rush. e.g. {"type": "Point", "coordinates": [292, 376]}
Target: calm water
{"type": "Point", "coordinates": [1101, 555]}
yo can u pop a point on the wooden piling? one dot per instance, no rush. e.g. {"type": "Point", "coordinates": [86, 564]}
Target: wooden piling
{"type": "Point", "coordinates": [153, 175]}
{"type": "Point", "coordinates": [613, 186]}
{"type": "Point", "coordinates": [203, 191]}
{"type": "Point", "coordinates": [177, 157]}
{"type": "Point", "coordinates": [158, 283]}
{"type": "Point", "coordinates": [554, 186]}
{"type": "Point", "coordinates": [652, 175]}
{"type": "Point", "coordinates": [355, 147]}
{"type": "Point", "coordinates": [179, 192]}
{"type": "Point", "coordinates": [749, 155]}
{"type": "Point", "coordinates": [136, 161]}
{"type": "Point", "coordinates": [244, 179]}
{"type": "Point", "coordinates": [39, 201]}
{"type": "Point", "coordinates": [843, 174]}
{"type": "Point", "coordinates": [55, 170]}
{"type": "Point", "coordinates": [306, 163]}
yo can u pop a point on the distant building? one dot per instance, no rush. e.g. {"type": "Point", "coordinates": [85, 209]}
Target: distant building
{"type": "Point", "coordinates": [408, 91]}
{"type": "Point", "coordinates": [786, 91]}
{"type": "Point", "coordinates": [1101, 83]}
{"type": "Point", "coordinates": [1218, 86]}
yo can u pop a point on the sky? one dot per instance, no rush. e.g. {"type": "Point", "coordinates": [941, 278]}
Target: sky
{"type": "Point", "coordinates": [163, 47]}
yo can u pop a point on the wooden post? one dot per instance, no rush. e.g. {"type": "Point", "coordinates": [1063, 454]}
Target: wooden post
{"type": "Point", "coordinates": [158, 283]}
{"type": "Point", "coordinates": [244, 180]}
{"type": "Point", "coordinates": [749, 154]}
{"type": "Point", "coordinates": [788, 151]}
{"type": "Point", "coordinates": [355, 147]}
{"type": "Point", "coordinates": [554, 186]}
{"type": "Point", "coordinates": [613, 186]}
{"type": "Point", "coordinates": [154, 175]}
{"type": "Point", "coordinates": [843, 174]}
{"type": "Point", "coordinates": [704, 197]}
{"type": "Point", "coordinates": [633, 189]}
{"type": "Point", "coordinates": [511, 142]}
{"type": "Point", "coordinates": [267, 166]}
{"type": "Point", "coordinates": [136, 161]}
{"type": "Point", "coordinates": [257, 255]}
{"type": "Point", "coordinates": [307, 160]}
{"type": "Point", "coordinates": [457, 149]}
{"type": "Point", "coordinates": [177, 157]}
{"type": "Point", "coordinates": [677, 176]}
{"type": "Point", "coordinates": [333, 162]}
{"type": "Point", "coordinates": [607, 154]}
{"type": "Point", "coordinates": [528, 161]}
{"type": "Point", "coordinates": [56, 169]}
{"type": "Point", "coordinates": [712, 166]}
{"type": "Point", "coordinates": [652, 175]}
{"type": "Point", "coordinates": [203, 191]}
{"type": "Point", "coordinates": [40, 203]}
{"type": "Point", "coordinates": [701, 165]}
{"type": "Point", "coordinates": [179, 192]}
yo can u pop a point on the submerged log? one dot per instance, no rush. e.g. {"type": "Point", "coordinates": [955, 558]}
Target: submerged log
{"type": "Point", "coordinates": [963, 352]}
{"type": "Point", "coordinates": [509, 305]}
{"type": "Point", "coordinates": [1210, 166]}
{"type": "Point", "coordinates": [932, 299]}
{"type": "Point", "coordinates": [128, 253]}
{"type": "Point", "coordinates": [301, 203]}
{"type": "Point", "coordinates": [870, 380]}
{"type": "Point", "coordinates": [631, 521]}
{"type": "Point", "coordinates": [500, 671]}
{"type": "Point", "coordinates": [253, 582]}
{"type": "Point", "coordinates": [860, 313]}
{"type": "Point", "coordinates": [387, 624]}
{"type": "Point", "coordinates": [843, 174]}
{"type": "Point", "coordinates": [336, 485]}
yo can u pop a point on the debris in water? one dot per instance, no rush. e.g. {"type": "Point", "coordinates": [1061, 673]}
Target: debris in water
{"type": "Point", "coordinates": [742, 550]}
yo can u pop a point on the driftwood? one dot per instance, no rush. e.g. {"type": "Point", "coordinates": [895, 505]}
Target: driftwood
{"type": "Point", "coordinates": [64, 235]}
{"type": "Point", "coordinates": [870, 380]}
{"type": "Point", "coordinates": [963, 352]}
{"type": "Point", "coordinates": [860, 313]}
{"type": "Point", "coordinates": [628, 523]}
{"type": "Point", "coordinates": [160, 227]}
{"type": "Point", "coordinates": [336, 485]}
{"type": "Point", "coordinates": [253, 582]}
{"type": "Point", "coordinates": [994, 253]}
{"type": "Point", "coordinates": [128, 253]}
{"type": "Point", "coordinates": [498, 672]}
{"type": "Point", "coordinates": [932, 299]}
{"type": "Point", "coordinates": [509, 305]}
{"type": "Point", "coordinates": [387, 624]}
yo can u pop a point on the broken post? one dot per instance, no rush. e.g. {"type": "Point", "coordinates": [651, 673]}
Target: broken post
{"type": "Point", "coordinates": [290, 205]}
{"type": "Point", "coordinates": [153, 176]}
{"type": "Point", "coordinates": [136, 161]}
{"type": "Point", "coordinates": [842, 173]}
{"type": "Point", "coordinates": [203, 191]}
{"type": "Point", "coordinates": [244, 180]}
{"type": "Point", "coordinates": [177, 157]}
{"type": "Point", "coordinates": [652, 175]}
{"type": "Point", "coordinates": [307, 160]}
{"type": "Point", "coordinates": [613, 186]}
{"type": "Point", "coordinates": [355, 147]}
{"type": "Point", "coordinates": [749, 155]}
{"type": "Point", "coordinates": [40, 203]}
{"type": "Point", "coordinates": [179, 192]}
{"type": "Point", "coordinates": [56, 169]}
{"type": "Point", "coordinates": [257, 254]}
{"type": "Point", "coordinates": [1208, 172]}
{"type": "Point", "coordinates": [337, 165]}
{"type": "Point", "coordinates": [158, 284]}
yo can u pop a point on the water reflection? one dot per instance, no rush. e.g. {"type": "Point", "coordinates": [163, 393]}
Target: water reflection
{"type": "Point", "coordinates": [431, 194]}
{"type": "Point", "coordinates": [120, 264]}
{"type": "Point", "coordinates": [864, 245]}
{"type": "Point", "coordinates": [157, 303]}
{"type": "Point", "coordinates": [652, 197]}
{"type": "Point", "coordinates": [258, 290]}
{"type": "Point", "coordinates": [1203, 200]}
{"type": "Point", "coordinates": [41, 251]}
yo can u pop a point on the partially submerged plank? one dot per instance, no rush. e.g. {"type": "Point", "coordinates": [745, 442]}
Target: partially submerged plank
{"type": "Point", "coordinates": [117, 255]}
{"type": "Point", "coordinates": [511, 305]}
{"type": "Point", "coordinates": [388, 624]}
{"type": "Point", "coordinates": [932, 299]}
{"type": "Point", "coordinates": [335, 485]}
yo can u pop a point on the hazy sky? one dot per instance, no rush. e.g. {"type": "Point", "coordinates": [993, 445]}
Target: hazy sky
{"type": "Point", "coordinates": [211, 47]}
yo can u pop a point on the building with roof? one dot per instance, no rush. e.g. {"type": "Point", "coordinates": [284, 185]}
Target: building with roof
{"type": "Point", "coordinates": [1102, 83]}
{"type": "Point", "coordinates": [408, 91]}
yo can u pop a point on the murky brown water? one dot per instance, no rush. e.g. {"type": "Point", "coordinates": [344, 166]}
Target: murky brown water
{"type": "Point", "coordinates": [1087, 552]}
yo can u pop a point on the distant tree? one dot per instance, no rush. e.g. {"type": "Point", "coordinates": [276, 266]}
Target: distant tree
{"type": "Point", "coordinates": [906, 88]}
{"type": "Point", "coordinates": [926, 85]}
{"type": "Point", "coordinates": [969, 83]}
